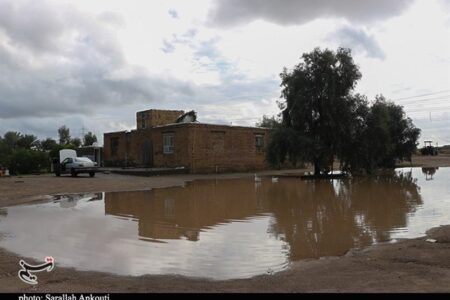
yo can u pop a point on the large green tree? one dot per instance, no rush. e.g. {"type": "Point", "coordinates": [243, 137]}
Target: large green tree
{"type": "Point", "coordinates": [64, 135]}
{"type": "Point", "coordinates": [322, 119]}
{"type": "Point", "coordinates": [316, 115]}
{"type": "Point", "coordinates": [382, 136]}
{"type": "Point", "coordinates": [48, 144]}
{"type": "Point", "coordinates": [27, 141]}
{"type": "Point", "coordinates": [10, 140]}
{"type": "Point", "coordinates": [76, 142]}
{"type": "Point", "coordinates": [89, 139]}
{"type": "Point", "coordinates": [269, 122]}
{"type": "Point", "coordinates": [389, 135]}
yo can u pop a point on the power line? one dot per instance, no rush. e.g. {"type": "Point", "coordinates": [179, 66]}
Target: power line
{"type": "Point", "coordinates": [445, 97]}
{"type": "Point", "coordinates": [438, 106]}
{"type": "Point", "coordinates": [426, 118]}
{"type": "Point", "coordinates": [422, 95]}
{"type": "Point", "coordinates": [83, 130]}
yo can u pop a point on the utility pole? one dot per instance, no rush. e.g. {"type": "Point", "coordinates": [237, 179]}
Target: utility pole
{"type": "Point", "coordinates": [83, 131]}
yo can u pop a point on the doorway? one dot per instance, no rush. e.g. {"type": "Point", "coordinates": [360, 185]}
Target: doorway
{"type": "Point", "coordinates": [147, 154]}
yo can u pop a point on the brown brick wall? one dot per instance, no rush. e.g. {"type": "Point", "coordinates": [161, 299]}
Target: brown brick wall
{"type": "Point", "coordinates": [107, 155]}
{"type": "Point", "coordinates": [131, 148]}
{"type": "Point", "coordinates": [156, 117]}
{"type": "Point", "coordinates": [203, 148]}
{"type": "Point", "coordinates": [225, 149]}
{"type": "Point", "coordinates": [181, 152]}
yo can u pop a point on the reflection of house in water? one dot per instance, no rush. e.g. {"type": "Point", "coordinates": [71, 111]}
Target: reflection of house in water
{"type": "Point", "coordinates": [178, 212]}
{"type": "Point", "coordinates": [315, 219]}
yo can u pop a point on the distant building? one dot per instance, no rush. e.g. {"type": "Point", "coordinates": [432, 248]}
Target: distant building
{"type": "Point", "coordinates": [93, 152]}
{"type": "Point", "coordinates": [159, 141]}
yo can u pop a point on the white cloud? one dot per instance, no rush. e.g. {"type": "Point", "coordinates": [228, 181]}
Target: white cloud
{"type": "Point", "coordinates": [358, 40]}
{"type": "Point", "coordinates": [293, 12]}
{"type": "Point", "coordinates": [95, 63]}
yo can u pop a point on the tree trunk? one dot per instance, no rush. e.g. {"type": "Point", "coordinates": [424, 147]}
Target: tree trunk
{"type": "Point", "coordinates": [316, 167]}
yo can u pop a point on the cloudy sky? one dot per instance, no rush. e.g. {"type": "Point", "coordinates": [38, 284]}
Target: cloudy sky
{"type": "Point", "coordinates": [93, 64]}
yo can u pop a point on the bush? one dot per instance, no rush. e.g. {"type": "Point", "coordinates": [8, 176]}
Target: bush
{"type": "Point", "coordinates": [26, 161]}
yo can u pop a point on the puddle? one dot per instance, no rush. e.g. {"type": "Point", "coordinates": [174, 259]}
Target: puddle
{"type": "Point", "coordinates": [231, 228]}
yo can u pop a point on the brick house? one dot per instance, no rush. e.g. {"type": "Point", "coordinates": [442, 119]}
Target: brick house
{"type": "Point", "coordinates": [159, 141]}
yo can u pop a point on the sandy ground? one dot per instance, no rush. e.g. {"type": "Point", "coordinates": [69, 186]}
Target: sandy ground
{"type": "Point", "coordinates": [442, 160]}
{"type": "Point", "coordinates": [25, 189]}
{"type": "Point", "coordinates": [406, 266]}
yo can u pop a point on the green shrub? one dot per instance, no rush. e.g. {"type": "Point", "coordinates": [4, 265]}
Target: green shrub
{"type": "Point", "coordinates": [26, 161]}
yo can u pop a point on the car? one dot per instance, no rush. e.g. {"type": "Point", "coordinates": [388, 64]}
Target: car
{"type": "Point", "coordinates": [75, 165]}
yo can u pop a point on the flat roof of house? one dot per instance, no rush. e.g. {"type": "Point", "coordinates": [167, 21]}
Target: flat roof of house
{"type": "Point", "coordinates": [209, 124]}
{"type": "Point", "coordinates": [161, 110]}
{"type": "Point", "coordinates": [190, 124]}
{"type": "Point", "coordinates": [121, 131]}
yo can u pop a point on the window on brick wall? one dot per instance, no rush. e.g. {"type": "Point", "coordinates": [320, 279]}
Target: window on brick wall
{"type": "Point", "coordinates": [114, 146]}
{"type": "Point", "coordinates": [167, 143]}
{"type": "Point", "coordinates": [259, 142]}
{"type": "Point", "coordinates": [143, 117]}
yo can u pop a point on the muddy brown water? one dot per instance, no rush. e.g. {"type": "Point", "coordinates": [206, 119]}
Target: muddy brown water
{"type": "Point", "coordinates": [230, 228]}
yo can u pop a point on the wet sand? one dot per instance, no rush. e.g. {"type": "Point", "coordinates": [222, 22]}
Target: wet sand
{"type": "Point", "coordinates": [406, 266]}
{"type": "Point", "coordinates": [441, 160]}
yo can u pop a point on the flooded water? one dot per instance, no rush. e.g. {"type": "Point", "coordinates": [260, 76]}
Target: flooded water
{"type": "Point", "coordinates": [233, 228]}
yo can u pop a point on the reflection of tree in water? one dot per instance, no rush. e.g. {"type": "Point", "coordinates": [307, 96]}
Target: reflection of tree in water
{"type": "Point", "coordinates": [385, 201]}
{"type": "Point", "coordinates": [321, 218]}
{"type": "Point", "coordinates": [310, 219]}
{"type": "Point", "coordinates": [315, 218]}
